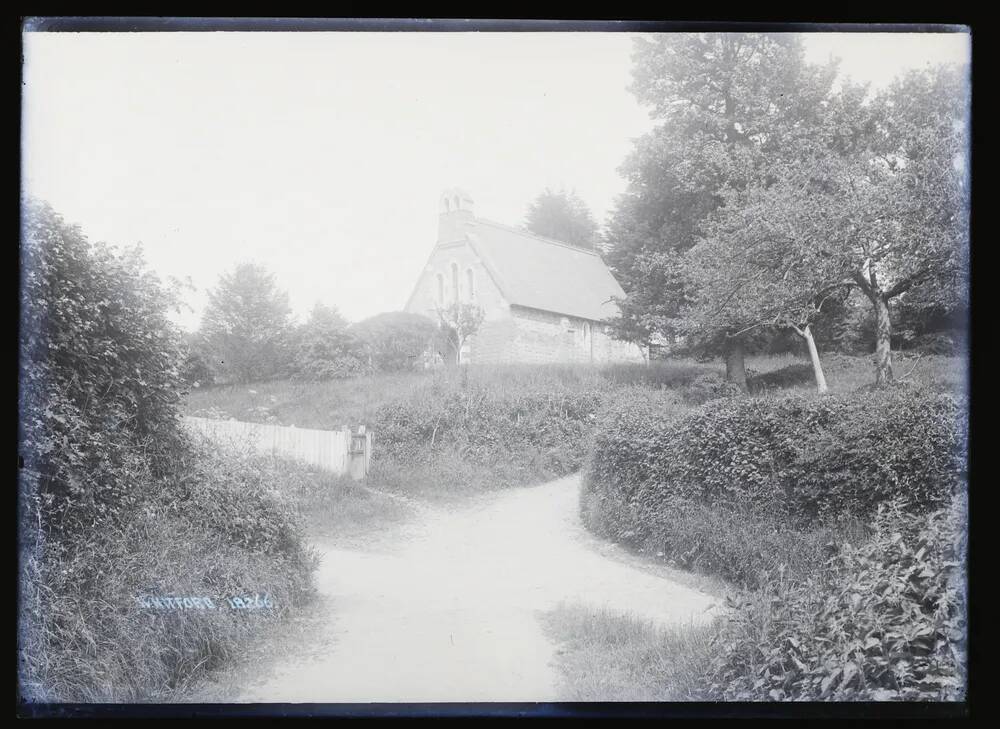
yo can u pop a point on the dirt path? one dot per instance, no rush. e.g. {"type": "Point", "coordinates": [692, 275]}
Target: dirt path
{"type": "Point", "coordinates": [447, 609]}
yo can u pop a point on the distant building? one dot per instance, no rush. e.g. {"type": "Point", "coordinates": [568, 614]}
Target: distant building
{"type": "Point", "coordinates": [543, 300]}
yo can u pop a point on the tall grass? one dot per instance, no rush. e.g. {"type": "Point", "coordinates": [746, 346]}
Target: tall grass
{"type": "Point", "coordinates": [603, 655]}
{"type": "Point", "coordinates": [222, 532]}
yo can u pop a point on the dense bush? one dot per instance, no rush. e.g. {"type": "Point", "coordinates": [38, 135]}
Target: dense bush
{"type": "Point", "coordinates": [883, 620]}
{"type": "Point", "coordinates": [323, 349]}
{"type": "Point", "coordinates": [779, 379]}
{"type": "Point", "coordinates": [196, 370]}
{"type": "Point", "coordinates": [84, 635]}
{"type": "Point", "coordinates": [115, 500]}
{"type": "Point", "coordinates": [99, 375]}
{"type": "Point", "coordinates": [807, 457]}
{"type": "Point", "coordinates": [708, 387]}
{"type": "Point", "coordinates": [394, 341]}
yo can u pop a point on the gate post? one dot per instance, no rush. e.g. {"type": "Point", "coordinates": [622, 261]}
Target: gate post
{"type": "Point", "coordinates": [360, 453]}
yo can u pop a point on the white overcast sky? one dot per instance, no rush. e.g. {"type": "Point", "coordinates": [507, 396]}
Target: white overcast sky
{"type": "Point", "coordinates": [322, 155]}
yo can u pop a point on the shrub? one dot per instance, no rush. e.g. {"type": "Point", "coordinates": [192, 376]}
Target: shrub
{"type": "Point", "coordinates": [809, 457]}
{"type": "Point", "coordinates": [323, 349]}
{"type": "Point", "coordinates": [707, 387]}
{"type": "Point", "coordinates": [785, 377]}
{"type": "Point", "coordinates": [394, 341]}
{"type": "Point", "coordinates": [85, 637]}
{"type": "Point", "coordinates": [196, 370]}
{"type": "Point", "coordinates": [742, 486]}
{"type": "Point", "coordinates": [114, 498]}
{"type": "Point", "coordinates": [99, 376]}
{"type": "Point", "coordinates": [884, 620]}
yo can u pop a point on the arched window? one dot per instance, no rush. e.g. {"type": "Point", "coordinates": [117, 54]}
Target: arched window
{"type": "Point", "coordinates": [457, 205]}
{"type": "Point", "coordinates": [440, 279]}
{"type": "Point", "coordinates": [470, 282]}
{"type": "Point", "coordinates": [454, 280]}
{"type": "Point", "coordinates": [447, 206]}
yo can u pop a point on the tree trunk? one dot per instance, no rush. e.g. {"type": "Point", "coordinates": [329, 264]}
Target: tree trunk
{"type": "Point", "coordinates": [814, 356]}
{"type": "Point", "coordinates": [736, 369]}
{"type": "Point", "coordinates": [883, 342]}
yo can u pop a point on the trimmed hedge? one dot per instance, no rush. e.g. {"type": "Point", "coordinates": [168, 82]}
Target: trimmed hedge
{"type": "Point", "coordinates": [808, 458]}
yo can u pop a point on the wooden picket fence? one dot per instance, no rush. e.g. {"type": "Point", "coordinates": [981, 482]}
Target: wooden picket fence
{"type": "Point", "coordinates": [339, 451]}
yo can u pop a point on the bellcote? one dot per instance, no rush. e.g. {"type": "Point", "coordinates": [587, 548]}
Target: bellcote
{"type": "Point", "coordinates": [456, 213]}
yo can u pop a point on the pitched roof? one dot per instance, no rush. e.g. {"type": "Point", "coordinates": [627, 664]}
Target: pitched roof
{"type": "Point", "coordinates": [545, 274]}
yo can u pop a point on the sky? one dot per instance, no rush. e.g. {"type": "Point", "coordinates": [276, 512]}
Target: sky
{"type": "Point", "coordinates": [322, 155]}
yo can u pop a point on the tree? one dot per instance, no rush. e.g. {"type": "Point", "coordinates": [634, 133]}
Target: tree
{"type": "Point", "coordinates": [395, 340]}
{"type": "Point", "coordinates": [562, 216]}
{"type": "Point", "coordinates": [883, 209]}
{"type": "Point", "coordinates": [324, 349]}
{"type": "Point", "coordinates": [99, 379]}
{"type": "Point", "coordinates": [912, 236]}
{"type": "Point", "coordinates": [459, 321]}
{"type": "Point", "coordinates": [755, 269]}
{"type": "Point", "coordinates": [247, 324]}
{"type": "Point", "coordinates": [730, 106]}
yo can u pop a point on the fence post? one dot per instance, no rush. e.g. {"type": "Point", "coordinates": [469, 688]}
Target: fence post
{"type": "Point", "coordinates": [359, 453]}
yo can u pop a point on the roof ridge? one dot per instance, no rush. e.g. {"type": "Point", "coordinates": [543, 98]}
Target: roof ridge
{"type": "Point", "coordinates": [542, 238]}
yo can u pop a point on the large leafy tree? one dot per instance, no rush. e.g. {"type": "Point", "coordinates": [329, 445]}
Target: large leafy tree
{"type": "Point", "coordinates": [878, 202]}
{"type": "Point", "coordinates": [247, 324]}
{"type": "Point", "coordinates": [905, 217]}
{"type": "Point", "coordinates": [730, 105]}
{"type": "Point", "coordinates": [563, 216]}
{"type": "Point", "coordinates": [759, 262]}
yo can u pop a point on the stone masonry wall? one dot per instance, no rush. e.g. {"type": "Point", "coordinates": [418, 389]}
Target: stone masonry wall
{"type": "Point", "coordinates": [544, 337]}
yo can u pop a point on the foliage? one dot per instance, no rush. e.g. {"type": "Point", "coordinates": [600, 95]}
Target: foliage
{"type": "Point", "coordinates": [247, 325]}
{"type": "Point", "coordinates": [737, 487]}
{"type": "Point", "coordinates": [808, 458]}
{"type": "Point", "coordinates": [562, 216]}
{"type": "Point", "coordinates": [708, 387]}
{"type": "Point", "coordinates": [84, 636]}
{"type": "Point", "coordinates": [884, 620]}
{"type": "Point", "coordinates": [482, 425]}
{"type": "Point", "coordinates": [99, 377]}
{"type": "Point", "coordinates": [458, 321]}
{"type": "Point", "coordinates": [114, 497]}
{"type": "Point", "coordinates": [780, 379]}
{"type": "Point", "coordinates": [394, 341]}
{"type": "Point", "coordinates": [730, 105]}
{"type": "Point", "coordinates": [196, 368]}
{"type": "Point", "coordinates": [324, 349]}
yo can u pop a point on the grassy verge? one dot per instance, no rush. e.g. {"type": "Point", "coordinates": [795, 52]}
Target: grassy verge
{"type": "Point", "coordinates": [604, 655]}
{"type": "Point", "coordinates": [337, 509]}
{"type": "Point", "coordinates": [90, 631]}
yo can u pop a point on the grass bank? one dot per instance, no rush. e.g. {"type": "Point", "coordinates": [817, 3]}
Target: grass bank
{"type": "Point", "coordinates": [603, 655]}
{"type": "Point", "coordinates": [144, 605]}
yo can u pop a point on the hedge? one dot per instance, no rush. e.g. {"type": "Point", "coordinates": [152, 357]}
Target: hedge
{"type": "Point", "coordinates": [809, 458]}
